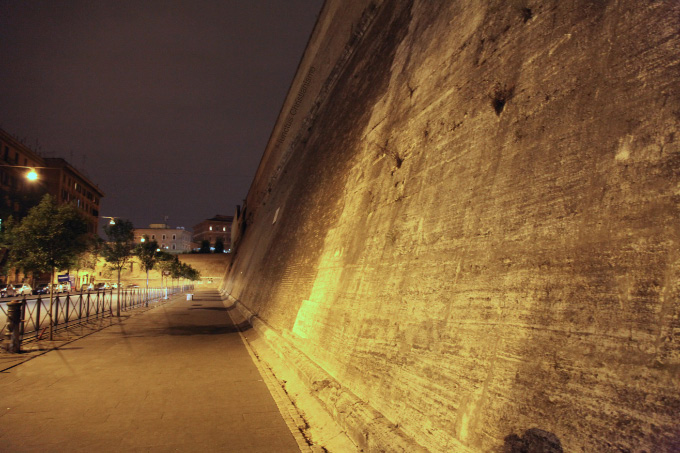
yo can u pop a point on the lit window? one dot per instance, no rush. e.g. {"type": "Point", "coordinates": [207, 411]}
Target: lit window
{"type": "Point", "coordinates": [224, 228]}
{"type": "Point", "coordinates": [210, 228]}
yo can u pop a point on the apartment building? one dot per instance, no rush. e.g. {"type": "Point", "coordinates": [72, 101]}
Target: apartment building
{"type": "Point", "coordinates": [68, 185]}
{"type": "Point", "coordinates": [17, 193]}
{"type": "Point", "coordinates": [171, 240]}
{"type": "Point", "coordinates": [214, 229]}
{"type": "Point", "coordinates": [55, 176]}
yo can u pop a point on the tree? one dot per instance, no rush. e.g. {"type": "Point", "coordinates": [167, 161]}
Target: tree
{"type": "Point", "coordinates": [118, 251]}
{"type": "Point", "coordinates": [50, 237]}
{"type": "Point", "coordinates": [190, 273]}
{"type": "Point", "coordinates": [88, 259]}
{"type": "Point", "coordinates": [180, 270]}
{"type": "Point", "coordinates": [5, 244]}
{"type": "Point", "coordinates": [205, 246]}
{"type": "Point", "coordinates": [219, 246]}
{"type": "Point", "coordinates": [164, 261]}
{"type": "Point", "coordinates": [148, 253]}
{"type": "Point", "coordinates": [176, 269]}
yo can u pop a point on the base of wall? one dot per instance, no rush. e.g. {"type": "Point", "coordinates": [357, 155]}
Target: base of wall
{"type": "Point", "coordinates": [339, 420]}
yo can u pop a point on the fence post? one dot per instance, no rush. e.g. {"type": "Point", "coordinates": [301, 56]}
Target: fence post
{"type": "Point", "coordinates": [38, 304]}
{"type": "Point", "coordinates": [23, 318]}
{"type": "Point", "coordinates": [13, 334]}
{"type": "Point", "coordinates": [68, 303]}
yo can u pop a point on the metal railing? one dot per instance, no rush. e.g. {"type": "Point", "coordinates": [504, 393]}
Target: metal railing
{"type": "Point", "coordinates": [72, 308]}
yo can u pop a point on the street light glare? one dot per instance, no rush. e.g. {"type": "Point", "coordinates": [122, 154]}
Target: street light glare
{"type": "Point", "coordinates": [32, 175]}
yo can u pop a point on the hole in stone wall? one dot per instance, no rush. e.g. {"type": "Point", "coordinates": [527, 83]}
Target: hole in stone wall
{"type": "Point", "coordinates": [500, 97]}
{"type": "Point", "coordinates": [527, 14]}
{"type": "Point", "coordinates": [498, 105]}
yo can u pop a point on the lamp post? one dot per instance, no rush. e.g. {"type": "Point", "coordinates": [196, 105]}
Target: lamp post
{"type": "Point", "coordinates": [32, 174]}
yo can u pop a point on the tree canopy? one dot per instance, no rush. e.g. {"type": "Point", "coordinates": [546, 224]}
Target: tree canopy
{"type": "Point", "coordinates": [118, 250]}
{"type": "Point", "coordinates": [147, 252]}
{"type": "Point", "coordinates": [49, 237]}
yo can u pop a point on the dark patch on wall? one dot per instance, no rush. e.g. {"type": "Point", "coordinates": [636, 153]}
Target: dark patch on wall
{"type": "Point", "coordinates": [534, 440]}
{"type": "Point", "coordinates": [500, 97]}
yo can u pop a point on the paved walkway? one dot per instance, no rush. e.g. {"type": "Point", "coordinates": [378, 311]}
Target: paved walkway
{"type": "Point", "coordinates": [174, 378]}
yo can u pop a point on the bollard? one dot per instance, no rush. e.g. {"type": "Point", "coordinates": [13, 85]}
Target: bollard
{"type": "Point", "coordinates": [14, 326]}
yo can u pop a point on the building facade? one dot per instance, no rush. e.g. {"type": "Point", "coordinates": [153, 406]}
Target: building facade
{"type": "Point", "coordinates": [68, 185]}
{"type": "Point", "coordinates": [55, 176]}
{"type": "Point", "coordinates": [17, 193]}
{"type": "Point", "coordinates": [171, 240]}
{"type": "Point", "coordinates": [213, 230]}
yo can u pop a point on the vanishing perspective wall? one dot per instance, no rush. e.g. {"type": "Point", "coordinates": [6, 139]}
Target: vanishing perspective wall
{"type": "Point", "coordinates": [471, 223]}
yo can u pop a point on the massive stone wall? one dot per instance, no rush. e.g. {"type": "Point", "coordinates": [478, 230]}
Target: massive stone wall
{"type": "Point", "coordinates": [471, 226]}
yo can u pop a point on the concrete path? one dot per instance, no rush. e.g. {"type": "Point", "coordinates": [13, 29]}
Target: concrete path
{"type": "Point", "coordinates": [174, 378]}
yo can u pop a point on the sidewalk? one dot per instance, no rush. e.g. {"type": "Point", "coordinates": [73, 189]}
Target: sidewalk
{"type": "Point", "coordinates": [174, 378]}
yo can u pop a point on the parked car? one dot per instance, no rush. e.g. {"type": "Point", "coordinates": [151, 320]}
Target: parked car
{"type": "Point", "coordinates": [133, 286]}
{"type": "Point", "coordinates": [7, 290]}
{"type": "Point", "coordinates": [42, 288]}
{"type": "Point", "coordinates": [63, 288]}
{"type": "Point", "coordinates": [25, 289]}
{"type": "Point", "coordinates": [99, 286]}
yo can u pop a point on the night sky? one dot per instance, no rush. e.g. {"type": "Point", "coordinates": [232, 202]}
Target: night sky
{"type": "Point", "coordinates": [166, 105]}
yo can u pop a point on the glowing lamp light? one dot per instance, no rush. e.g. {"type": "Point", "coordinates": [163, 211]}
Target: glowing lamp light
{"type": "Point", "coordinates": [112, 222]}
{"type": "Point", "coordinates": [32, 175]}
{"type": "Point", "coordinates": [143, 239]}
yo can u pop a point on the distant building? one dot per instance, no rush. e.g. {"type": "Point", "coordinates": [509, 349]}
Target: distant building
{"type": "Point", "coordinates": [68, 185]}
{"type": "Point", "coordinates": [55, 176]}
{"type": "Point", "coordinates": [214, 229]}
{"type": "Point", "coordinates": [171, 240]}
{"type": "Point", "coordinates": [17, 193]}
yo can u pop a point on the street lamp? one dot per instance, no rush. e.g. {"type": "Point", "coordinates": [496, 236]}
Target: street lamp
{"type": "Point", "coordinates": [31, 175]}
{"type": "Point", "coordinates": [112, 221]}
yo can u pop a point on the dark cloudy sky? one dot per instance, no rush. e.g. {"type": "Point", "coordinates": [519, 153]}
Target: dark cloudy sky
{"type": "Point", "coordinates": [166, 105]}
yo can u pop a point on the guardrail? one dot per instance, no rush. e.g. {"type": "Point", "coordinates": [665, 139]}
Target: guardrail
{"type": "Point", "coordinates": [71, 308]}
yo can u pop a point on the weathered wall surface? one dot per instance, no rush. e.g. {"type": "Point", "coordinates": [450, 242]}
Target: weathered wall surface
{"type": "Point", "coordinates": [476, 232]}
{"type": "Point", "coordinates": [210, 265]}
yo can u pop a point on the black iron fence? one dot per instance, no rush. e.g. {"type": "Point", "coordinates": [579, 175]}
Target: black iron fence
{"type": "Point", "coordinates": [71, 308]}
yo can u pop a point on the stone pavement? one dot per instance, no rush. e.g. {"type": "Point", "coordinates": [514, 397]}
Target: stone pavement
{"type": "Point", "coordinates": [177, 377]}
